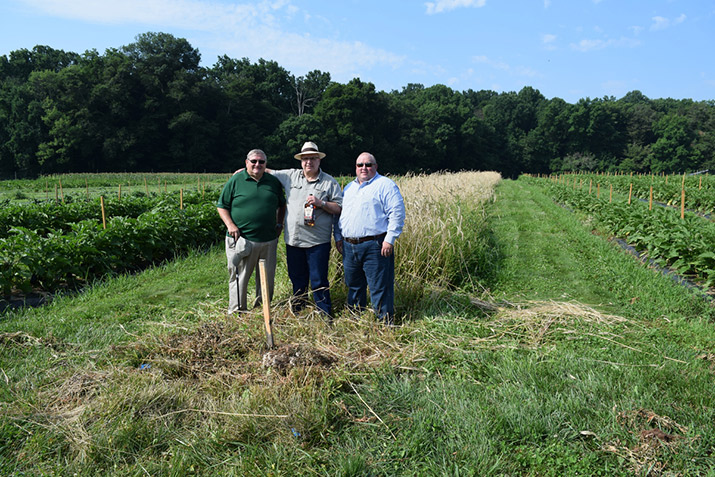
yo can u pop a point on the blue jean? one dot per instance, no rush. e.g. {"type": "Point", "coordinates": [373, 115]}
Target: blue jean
{"type": "Point", "coordinates": [364, 266]}
{"type": "Point", "coordinates": [310, 265]}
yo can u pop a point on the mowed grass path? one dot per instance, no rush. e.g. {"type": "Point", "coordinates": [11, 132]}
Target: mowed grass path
{"type": "Point", "coordinates": [548, 253]}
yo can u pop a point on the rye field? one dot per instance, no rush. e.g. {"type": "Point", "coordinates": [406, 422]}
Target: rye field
{"type": "Point", "coordinates": [528, 342]}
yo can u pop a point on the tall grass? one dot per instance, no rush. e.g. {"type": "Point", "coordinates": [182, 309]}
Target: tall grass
{"type": "Point", "coordinates": [445, 242]}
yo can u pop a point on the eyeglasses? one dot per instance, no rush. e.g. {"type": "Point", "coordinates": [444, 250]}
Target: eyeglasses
{"type": "Point", "coordinates": [260, 161]}
{"type": "Point", "coordinates": [366, 164]}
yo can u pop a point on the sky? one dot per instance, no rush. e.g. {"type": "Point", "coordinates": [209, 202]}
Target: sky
{"type": "Point", "coordinates": [571, 49]}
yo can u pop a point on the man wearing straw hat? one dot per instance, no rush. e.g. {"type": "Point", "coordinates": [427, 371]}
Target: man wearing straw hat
{"type": "Point", "coordinates": [314, 201]}
{"type": "Point", "coordinates": [372, 219]}
{"type": "Point", "coordinates": [252, 205]}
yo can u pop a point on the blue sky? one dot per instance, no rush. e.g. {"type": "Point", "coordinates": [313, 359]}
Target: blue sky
{"type": "Point", "coordinates": [570, 49]}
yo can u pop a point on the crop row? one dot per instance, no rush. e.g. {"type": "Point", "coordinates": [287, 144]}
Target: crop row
{"type": "Point", "coordinates": [699, 189]}
{"type": "Point", "coordinates": [136, 181]}
{"type": "Point", "coordinates": [44, 217]}
{"type": "Point", "coordinates": [56, 259]}
{"type": "Point", "coordinates": [686, 245]}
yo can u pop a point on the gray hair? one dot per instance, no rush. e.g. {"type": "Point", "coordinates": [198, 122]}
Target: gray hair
{"type": "Point", "coordinates": [256, 152]}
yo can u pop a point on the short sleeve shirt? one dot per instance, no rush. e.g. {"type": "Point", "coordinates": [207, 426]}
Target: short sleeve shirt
{"type": "Point", "coordinates": [253, 205]}
{"type": "Point", "coordinates": [298, 188]}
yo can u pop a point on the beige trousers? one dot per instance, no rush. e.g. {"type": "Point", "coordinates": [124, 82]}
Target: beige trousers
{"type": "Point", "coordinates": [238, 276]}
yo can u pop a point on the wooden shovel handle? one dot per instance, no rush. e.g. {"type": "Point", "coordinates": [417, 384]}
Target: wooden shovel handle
{"type": "Point", "coordinates": [266, 302]}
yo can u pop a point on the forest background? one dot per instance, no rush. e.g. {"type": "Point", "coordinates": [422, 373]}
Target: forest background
{"type": "Point", "coordinates": [149, 106]}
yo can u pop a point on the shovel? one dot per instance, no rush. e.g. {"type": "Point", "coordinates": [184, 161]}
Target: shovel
{"type": "Point", "coordinates": [266, 302]}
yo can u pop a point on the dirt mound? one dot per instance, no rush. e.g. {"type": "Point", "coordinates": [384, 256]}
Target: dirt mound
{"type": "Point", "coordinates": [290, 356]}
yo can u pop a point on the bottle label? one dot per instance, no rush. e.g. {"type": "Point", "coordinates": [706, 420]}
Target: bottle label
{"type": "Point", "coordinates": [309, 215]}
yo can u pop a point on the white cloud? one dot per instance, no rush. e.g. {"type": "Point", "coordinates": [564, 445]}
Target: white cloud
{"type": "Point", "coordinates": [636, 29]}
{"type": "Point", "coordinates": [447, 5]}
{"type": "Point", "coordinates": [195, 15]}
{"type": "Point", "coordinates": [548, 40]}
{"type": "Point", "coordinates": [661, 23]}
{"type": "Point", "coordinates": [522, 71]}
{"type": "Point", "coordinates": [251, 29]}
{"type": "Point", "coordinates": [547, 3]}
{"type": "Point", "coordinates": [592, 45]}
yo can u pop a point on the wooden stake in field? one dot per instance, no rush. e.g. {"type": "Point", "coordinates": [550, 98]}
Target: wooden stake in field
{"type": "Point", "coordinates": [610, 193]}
{"type": "Point", "coordinates": [682, 203]}
{"type": "Point", "coordinates": [104, 219]}
{"type": "Point", "coordinates": [590, 186]}
{"type": "Point", "coordinates": [62, 192]}
{"type": "Point", "coordinates": [598, 190]}
{"type": "Point", "coordinates": [630, 193]}
{"type": "Point", "coordinates": [57, 197]}
{"type": "Point", "coordinates": [700, 183]}
{"type": "Point", "coordinates": [650, 200]}
{"type": "Point", "coordinates": [181, 198]}
{"type": "Point", "coordinates": [119, 194]}
{"type": "Point", "coordinates": [266, 303]}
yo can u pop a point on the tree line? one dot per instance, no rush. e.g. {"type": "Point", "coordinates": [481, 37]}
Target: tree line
{"type": "Point", "coordinates": [150, 106]}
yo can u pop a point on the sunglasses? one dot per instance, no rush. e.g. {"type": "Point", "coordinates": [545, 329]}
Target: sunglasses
{"type": "Point", "coordinates": [366, 164]}
{"type": "Point", "coordinates": [260, 161]}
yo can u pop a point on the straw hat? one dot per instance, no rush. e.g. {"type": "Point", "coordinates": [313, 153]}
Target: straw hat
{"type": "Point", "coordinates": [309, 149]}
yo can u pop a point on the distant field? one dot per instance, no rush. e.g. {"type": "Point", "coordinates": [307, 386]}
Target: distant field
{"type": "Point", "coordinates": [93, 185]}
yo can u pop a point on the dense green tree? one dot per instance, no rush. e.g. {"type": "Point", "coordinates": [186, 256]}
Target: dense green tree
{"type": "Point", "coordinates": [673, 150]}
{"type": "Point", "coordinates": [150, 105]}
{"type": "Point", "coordinates": [356, 119]}
{"type": "Point", "coordinates": [288, 138]}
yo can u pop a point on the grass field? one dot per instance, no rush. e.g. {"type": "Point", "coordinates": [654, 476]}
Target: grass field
{"type": "Point", "coordinates": [528, 345]}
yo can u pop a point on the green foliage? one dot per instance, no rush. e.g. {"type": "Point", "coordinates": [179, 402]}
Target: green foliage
{"type": "Point", "coordinates": [683, 244]}
{"type": "Point", "coordinates": [51, 246]}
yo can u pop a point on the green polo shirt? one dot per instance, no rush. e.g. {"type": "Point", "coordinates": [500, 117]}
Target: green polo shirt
{"type": "Point", "coordinates": [253, 205]}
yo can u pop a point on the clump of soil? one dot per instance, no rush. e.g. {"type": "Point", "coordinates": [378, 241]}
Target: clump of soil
{"type": "Point", "coordinates": [290, 356]}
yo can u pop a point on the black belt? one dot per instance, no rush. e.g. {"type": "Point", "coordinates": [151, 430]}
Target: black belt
{"type": "Point", "coordinates": [357, 240]}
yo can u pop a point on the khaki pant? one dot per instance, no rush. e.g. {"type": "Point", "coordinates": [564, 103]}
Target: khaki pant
{"type": "Point", "coordinates": [238, 276]}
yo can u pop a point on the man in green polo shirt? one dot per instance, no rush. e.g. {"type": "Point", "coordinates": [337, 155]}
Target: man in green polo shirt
{"type": "Point", "coordinates": [252, 204]}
